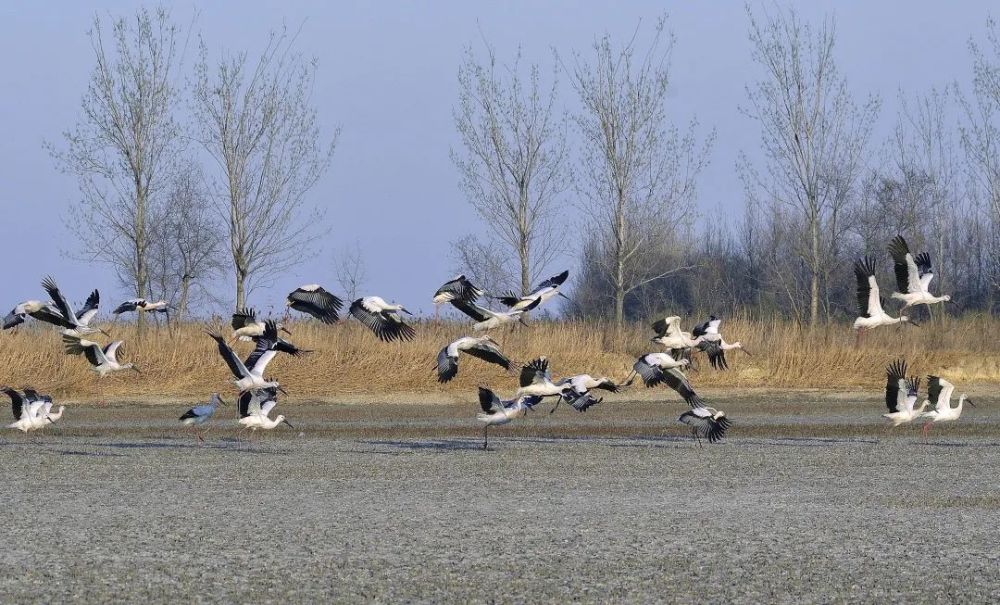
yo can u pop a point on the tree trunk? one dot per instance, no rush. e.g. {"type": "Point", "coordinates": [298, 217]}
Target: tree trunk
{"type": "Point", "coordinates": [814, 269]}
{"type": "Point", "coordinates": [241, 294]}
{"type": "Point", "coordinates": [182, 303]}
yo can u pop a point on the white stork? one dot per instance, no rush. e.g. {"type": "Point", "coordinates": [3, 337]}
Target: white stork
{"type": "Point", "coordinates": [576, 391]}
{"type": "Point", "coordinates": [42, 311]}
{"type": "Point", "coordinates": [536, 380]}
{"type": "Point", "coordinates": [869, 300]}
{"type": "Point", "coordinates": [73, 323]}
{"type": "Point", "coordinates": [458, 288]}
{"type": "Point", "coordinates": [670, 336]}
{"type": "Point", "coordinates": [314, 300]}
{"type": "Point", "coordinates": [103, 360]}
{"type": "Point", "coordinates": [247, 327]}
{"type": "Point", "coordinates": [254, 407]}
{"type": "Point", "coordinates": [31, 410]}
{"type": "Point", "coordinates": [141, 305]}
{"type": "Point", "coordinates": [542, 292]}
{"type": "Point", "coordinates": [483, 347]}
{"type": "Point", "coordinates": [382, 318]}
{"type": "Point", "coordinates": [487, 319]}
{"type": "Point", "coordinates": [657, 368]}
{"type": "Point", "coordinates": [706, 423]}
{"type": "Point", "coordinates": [713, 344]}
{"type": "Point", "coordinates": [200, 414]}
{"type": "Point", "coordinates": [901, 394]}
{"type": "Point", "coordinates": [939, 393]}
{"type": "Point", "coordinates": [496, 411]}
{"type": "Point", "coordinates": [913, 276]}
{"type": "Point", "coordinates": [250, 374]}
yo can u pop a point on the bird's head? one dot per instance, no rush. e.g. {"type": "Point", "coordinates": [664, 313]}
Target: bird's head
{"type": "Point", "coordinates": [966, 399]}
{"type": "Point", "coordinates": [134, 368]}
{"type": "Point", "coordinates": [281, 420]}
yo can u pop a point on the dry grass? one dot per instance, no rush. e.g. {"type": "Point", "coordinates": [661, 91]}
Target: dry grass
{"type": "Point", "coordinates": [349, 364]}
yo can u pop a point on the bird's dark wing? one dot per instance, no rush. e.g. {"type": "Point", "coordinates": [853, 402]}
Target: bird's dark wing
{"type": "Point", "coordinates": [489, 401]}
{"type": "Point", "coordinates": [447, 367]}
{"type": "Point", "coordinates": [238, 369]}
{"type": "Point", "coordinates": [678, 382]}
{"type": "Point", "coordinates": [508, 299]}
{"type": "Point", "coordinates": [490, 353]}
{"type": "Point", "coordinates": [898, 250]}
{"type": "Point", "coordinates": [608, 385]}
{"type": "Point", "coordinates": [283, 346]}
{"type": "Point", "coordinates": [534, 371]}
{"type": "Point", "coordinates": [660, 327]}
{"type": "Point", "coordinates": [316, 302]}
{"type": "Point", "coordinates": [934, 389]}
{"type": "Point", "coordinates": [243, 318]}
{"type": "Point", "coordinates": [864, 267]}
{"type": "Point", "coordinates": [75, 346]}
{"type": "Point", "coordinates": [895, 372]}
{"type": "Point", "coordinates": [244, 403]}
{"type": "Point", "coordinates": [16, 401]}
{"type": "Point", "coordinates": [93, 301]}
{"type": "Point", "coordinates": [12, 319]}
{"type": "Point", "coordinates": [704, 425]}
{"type": "Point", "coordinates": [471, 309]}
{"type": "Point", "coordinates": [651, 375]}
{"type": "Point", "coordinates": [128, 306]}
{"type": "Point", "coordinates": [580, 402]}
{"type": "Point", "coordinates": [459, 288]}
{"type": "Point", "coordinates": [553, 282]}
{"type": "Point", "coordinates": [700, 330]}
{"type": "Point", "coordinates": [716, 356]}
{"type": "Point", "coordinates": [59, 300]}
{"type": "Point", "coordinates": [923, 262]}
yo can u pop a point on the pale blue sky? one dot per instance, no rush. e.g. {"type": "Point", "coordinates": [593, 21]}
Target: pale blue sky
{"type": "Point", "coordinates": [387, 76]}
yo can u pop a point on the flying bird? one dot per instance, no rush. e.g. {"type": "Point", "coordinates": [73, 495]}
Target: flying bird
{"type": "Point", "coordinates": [487, 319]}
{"type": "Point", "coordinates": [483, 347]}
{"type": "Point", "coordinates": [103, 360]}
{"type": "Point", "coordinates": [382, 318]}
{"type": "Point", "coordinates": [67, 319]}
{"type": "Point", "coordinates": [713, 344]}
{"type": "Point", "coordinates": [913, 276]}
{"type": "Point", "coordinates": [939, 393]}
{"type": "Point", "coordinates": [576, 391]}
{"type": "Point", "coordinates": [314, 300]}
{"type": "Point", "coordinates": [706, 423]}
{"type": "Point", "coordinates": [869, 301]}
{"type": "Point", "coordinates": [458, 288]}
{"type": "Point", "coordinates": [246, 326]}
{"type": "Point", "coordinates": [31, 410]}
{"type": "Point", "coordinates": [249, 374]}
{"type": "Point", "coordinates": [141, 305]}
{"type": "Point", "coordinates": [41, 311]}
{"type": "Point", "coordinates": [496, 411]}
{"type": "Point", "coordinates": [901, 394]}
{"type": "Point", "coordinates": [541, 293]}
{"type": "Point", "coordinates": [670, 335]}
{"type": "Point", "coordinates": [254, 407]}
{"type": "Point", "coordinates": [200, 414]}
{"type": "Point", "coordinates": [652, 367]}
{"type": "Point", "coordinates": [536, 380]}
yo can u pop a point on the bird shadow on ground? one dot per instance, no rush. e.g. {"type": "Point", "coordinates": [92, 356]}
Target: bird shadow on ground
{"type": "Point", "coordinates": [440, 445]}
{"type": "Point", "coordinates": [809, 441]}
{"type": "Point", "coordinates": [989, 444]}
{"type": "Point", "coordinates": [94, 454]}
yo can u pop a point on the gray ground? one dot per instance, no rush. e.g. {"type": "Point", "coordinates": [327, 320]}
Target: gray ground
{"type": "Point", "coordinates": [808, 501]}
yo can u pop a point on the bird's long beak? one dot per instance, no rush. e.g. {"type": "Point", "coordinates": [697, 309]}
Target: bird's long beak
{"type": "Point", "coordinates": [51, 421]}
{"type": "Point", "coordinates": [969, 401]}
{"type": "Point", "coordinates": [283, 391]}
{"type": "Point", "coordinates": [405, 310]}
{"type": "Point", "coordinates": [285, 330]}
{"type": "Point", "coordinates": [915, 324]}
{"type": "Point", "coordinates": [137, 370]}
{"type": "Point", "coordinates": [289, 424]}
{"type": "Point", "coordinates": [747, 352]}
{"type": "Point", "coordinates": [104, 332]}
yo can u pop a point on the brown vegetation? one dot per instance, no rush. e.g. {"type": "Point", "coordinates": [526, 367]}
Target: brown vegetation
{"type": "Point", "coordinates": [349, 364]}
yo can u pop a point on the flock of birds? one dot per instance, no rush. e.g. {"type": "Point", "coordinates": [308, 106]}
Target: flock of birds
{"type": "Point", "coordinates": [258, 395]}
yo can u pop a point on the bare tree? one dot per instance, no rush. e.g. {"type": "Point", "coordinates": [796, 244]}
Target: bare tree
{"type": "Point", "coordinates": [351, 271]}
{"type": "Point", "coordinates": [637, 171]}
{"type": "Point", "coordinates": [257, 122]}
{"type": "Point", "coordinates": [813, 135]}
{"type": "Point", "coordinates": [483, 263]}
{"type": "Point", "coordinates": [980, 133]}
{"type": "Point", "coordinates": [122, 148]}
{"type": "Point", "coordinates": [513, 169]}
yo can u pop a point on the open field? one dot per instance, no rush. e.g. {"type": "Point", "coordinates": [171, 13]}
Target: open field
{"type": "Point", "coordinates": [809, 500]}
{"type": "Point", "coordinates": [350, 365]}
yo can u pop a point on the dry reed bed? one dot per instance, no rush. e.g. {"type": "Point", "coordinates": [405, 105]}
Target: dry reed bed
{"type": "Point", "coordinates": [349, 364]}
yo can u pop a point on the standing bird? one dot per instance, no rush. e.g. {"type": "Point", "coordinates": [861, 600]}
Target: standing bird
{"type": "Point", "coordinates": [542, 292]}
{"type": "Point", "coordinates": [141, 305]}
{"type": "Point", "coordinates": [69, 322]}
{"type": "Point", "coordinates": [650, 367]}
{"type": "Point", "coordinates": [487, 319]}
{"type": "Point", "coordinates": [382, 318]}
{"type": "Point", "coordinates": [496, 412]}
{"type": "Point", "coordinates": [459, 288]}
{"type": "Point", "coordinates": [31, 411]}
{"type": "Point", "coordinates": [246, 326]}
{"type": "Point", "coordinates": [483, 347]}
{"type": "Point", "coordinates": [104, 361]}
{"type": "Point", "coordinates": [869, 300]}
{"type": "Point", "coordinates": [250, 374]}
{"type": "Point", "coordinates": [913, 276]}
{"type": "Point", "coordinates": [536, 380]}
{"type": "Point", "coordinates": [713, 344]}
{"type": "Point", "coordinates": [200, 414]}
{"type": "Point", "coordinates": [901, 394]}
{"type": "Point", "coordinates": [706, 423]}
{"type": "Point", "coordinates": [939, 393]}
{"type": "Point", "coordinates": [314, 300]}
{"type": "Point", "coordinates": [254, 407]}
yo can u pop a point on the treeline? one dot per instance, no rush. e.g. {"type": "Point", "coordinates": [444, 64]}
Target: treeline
{"type": "Point", "coordinates": [818, 193]}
